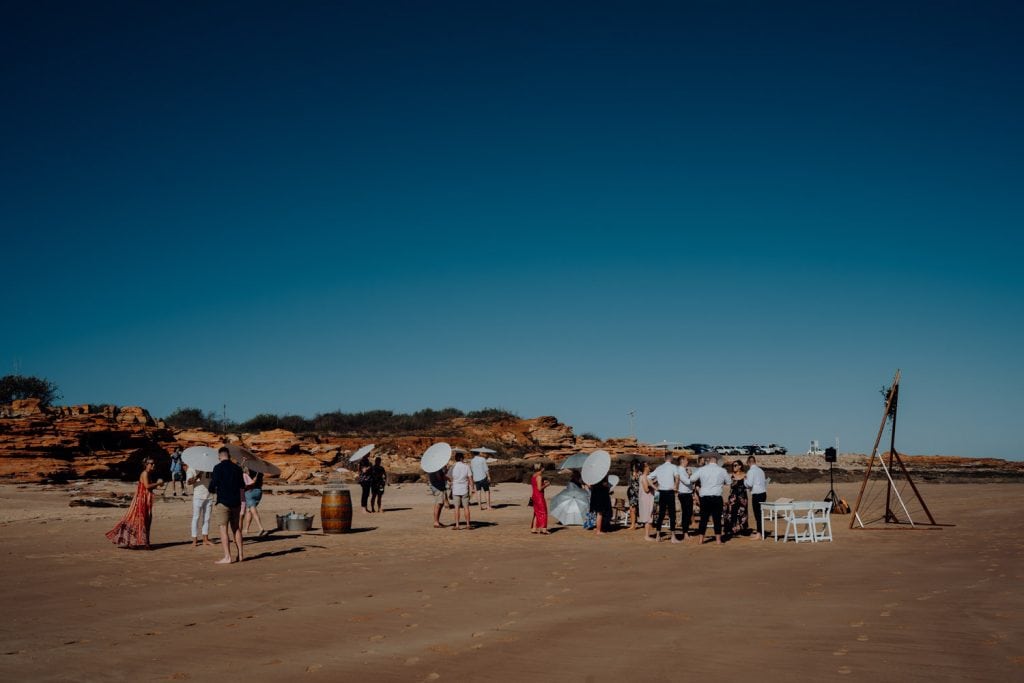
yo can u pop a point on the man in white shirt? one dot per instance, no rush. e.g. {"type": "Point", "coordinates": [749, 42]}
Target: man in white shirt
{"type": "Point", "coordinates": [712, 480]}
{"type": "Point", "coordinates": [666, 478]}
{"type": "Point", "coordinates": [758, 485]}
{"type": "Point", "coordinates": [481, 478]}
{"type": "Point", "coordinates": [685, 490]}
{"type": "Point", "coordinates": [461, 477]}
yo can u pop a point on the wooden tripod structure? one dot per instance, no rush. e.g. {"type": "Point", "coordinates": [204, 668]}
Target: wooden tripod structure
{"type": "Point", "coordinates": [891, 492]}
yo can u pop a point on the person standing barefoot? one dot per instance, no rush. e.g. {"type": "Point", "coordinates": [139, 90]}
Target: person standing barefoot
{"type": "Point", "coordinates": [227, 484]}
{"type": "Point", "coordinates": [645, 503]}
{"type": "Point", "coordinates": [202, 505]}
{"type": "Point", "coordinates": [539, 523]}
{"type": "Point", "coordinates": [133, 529]}
{"type": "Point", "coordinates": [378, 482]}
{"type": "Point", "coordinates": [633, 493]}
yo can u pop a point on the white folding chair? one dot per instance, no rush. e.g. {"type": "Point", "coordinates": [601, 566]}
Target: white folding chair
{"type": "Point", "coordinates": [800, 514]}
{"type": "Point", "coordinates": [822, 526]}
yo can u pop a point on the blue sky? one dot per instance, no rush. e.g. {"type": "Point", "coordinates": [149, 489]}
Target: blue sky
{"type": "Point", "coordinates": [736, 218]}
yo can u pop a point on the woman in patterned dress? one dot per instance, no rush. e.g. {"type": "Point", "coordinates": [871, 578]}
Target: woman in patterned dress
{"type": "Point", "coordinates": [735, 522]}
{"type": "Point", "coordinates": [633, 493]}
{"type": "Point", "coordinates": [133, 529]}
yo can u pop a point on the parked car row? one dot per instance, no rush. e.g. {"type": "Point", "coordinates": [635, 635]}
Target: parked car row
{"type": "Point", "coordinates": [750, 450]}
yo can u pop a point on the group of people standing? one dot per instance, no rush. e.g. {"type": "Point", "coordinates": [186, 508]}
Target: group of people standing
{"type": "Point", "coordinates": [700, 494]}
{"type": "Point", "coordinates": [372, 479]}
{"type": "Point", "coordinates": [230, 496]}
{"type": "Point", "coordinates": [453, 487]}
{"type": "Point", "coordinates": [652, 495]}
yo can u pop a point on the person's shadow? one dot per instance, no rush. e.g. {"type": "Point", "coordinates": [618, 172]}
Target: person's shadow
{"type": "Point", "coordinates": [275, 553]}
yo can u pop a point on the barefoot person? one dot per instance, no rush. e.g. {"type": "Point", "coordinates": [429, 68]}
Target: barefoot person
{"type": "Point", "coordinates": [667, 479]}
{"type": "Point", "coordinates": [645, 503]}
{"type": "Point", "coordinates": [601, 505]}
{"type": "Point", "coordinates": [712, 479]}
{"type": "Point", "coordinates": [177, 473]}
{"type": "Point", "coordinates": [378, 482]}
{"type": "Point", "coordinates": [758, 485]}
{"type": "Point", "coordinates": [133, 529]}
{"type": "Point", "coordinates": [633, 492]}
{"type": "Point", "coordinates": [227, 484]}
{"type": "Point", "coordinates": [685, 497]}
{"type": "Point", "coordinates": [539, 523]}
{"type": "Point", "coordinates": [364, 483]}
{"type": "Point", "coordinates": [461, 477]}
{"type": "Point", "coordinates": [253, 495]}
{"type": "Point", "coordinates": [202, 505]}
{"type": "Point", "coordinates": [438, 483]}
{"type": "Point", "coordinates": [481, 479]}
{"type": "Point", "coordinates": [735, 518]}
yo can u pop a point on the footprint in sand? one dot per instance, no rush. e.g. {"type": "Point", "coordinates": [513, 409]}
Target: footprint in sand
{"type": "Point", "coordinates": [856, 624]}
{"type": "Point", "coordinates": [313, 668]}
{"type": "Point", "coordinates": [841, 652]}
{"type": "Point", "coordinates": [376, 637]}
{"type": "Point", "coordinates": [412, 661]}
{"type": "Point", "coordinates": [844, 670]}
{"type": "Point", "coordinates": [432, 676]}
{"type": "Point", "coordinates": [862, 638]}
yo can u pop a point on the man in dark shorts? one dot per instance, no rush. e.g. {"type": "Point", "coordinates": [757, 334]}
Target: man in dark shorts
{"type": "Point", "coordinates": [228, 485]}
{"type": "Point", "coordinates": [438, 482]}
{"type": "Point", "coordinates": [177, 473]}
{"type": "Point", "coordinates": [481, 478]}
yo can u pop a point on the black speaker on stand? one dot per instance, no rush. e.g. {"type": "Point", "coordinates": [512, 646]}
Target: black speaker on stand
{"type": "Point", "coordinates": [830, 458]}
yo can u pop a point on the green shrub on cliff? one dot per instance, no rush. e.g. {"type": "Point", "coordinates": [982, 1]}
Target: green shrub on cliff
{"type": "Point", "coordinates": [193, 418]}
{"type": "Point", "coordinates": [16, 387]}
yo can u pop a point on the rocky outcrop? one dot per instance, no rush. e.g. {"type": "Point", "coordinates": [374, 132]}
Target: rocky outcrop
{"type": "Point", "coordinates": [40, 443]}
{"type": "Point", "coordinates": [64, 442]}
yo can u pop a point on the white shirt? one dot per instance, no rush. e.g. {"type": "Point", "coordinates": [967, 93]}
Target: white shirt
{"type": "Point", "coordinates": [684, 480]}
{"type": "Point", "coordinates": [712, 478]}
{"type": "Point", "coordinates": [460, 479]}
{"type": "Point", "coordinates": [665, 476]}
{"type": "Point", "coordinates": [479, 466]}
{"type": "Point", "coordinates": [200, 482]}
{"type": "Point", "coordinates": [755, 480]}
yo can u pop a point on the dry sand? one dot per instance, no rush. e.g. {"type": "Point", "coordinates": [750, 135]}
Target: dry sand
{"type": "Point", "coordinates": [402, 601]}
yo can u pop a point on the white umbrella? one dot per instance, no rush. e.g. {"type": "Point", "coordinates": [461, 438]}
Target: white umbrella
{"type": "Point", "coordinates": [596, 467]}
{"type": "Point", "coordinates": [361, 453]}
{"type": "Point", "coordinates": [483, 450]}
{"type": "Point", "coordinates": [574, 462]}
{"type": "Point", "coordinates": [613, 480]}
{"type": "Point", "coordinates": [435, 457]}
{"type": "Point", "coordinates": [246, 459]}
{"type": "Point", "coordinates": [570, 507]}
{"type": "Point", "coordinates": [200, 458]}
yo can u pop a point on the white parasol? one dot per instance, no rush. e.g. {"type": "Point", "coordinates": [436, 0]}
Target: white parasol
{"type": "Point", "coordinates": [436, 457]}
{"type": "Point", "coordinates": [246, 459]}
{"type": "Point", "coordinates": [596, 467]}
{"type": "Point", "coordinates": [613, 480]}
{"type": "Point", "coordinates": [200, 458]}
{"type": "Point", "coordinates": [361, 453]}
{"type": "Point", "coordinates": [570, 507]}
{"type": "Point", "coordinates": [574, 462]}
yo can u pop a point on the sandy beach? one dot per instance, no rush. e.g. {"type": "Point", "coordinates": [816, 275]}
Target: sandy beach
{"type": "Point", "coordinates": [401, 601]}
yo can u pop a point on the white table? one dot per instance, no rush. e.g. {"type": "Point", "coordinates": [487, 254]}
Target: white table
{"type": "Point", "coordinates": [770, 512]}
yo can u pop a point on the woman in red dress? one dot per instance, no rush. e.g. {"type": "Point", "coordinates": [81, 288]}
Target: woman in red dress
{"type": "Point", "coordinates": [539, 525]}
{"type": "Point", "coordinates": [133, 529]}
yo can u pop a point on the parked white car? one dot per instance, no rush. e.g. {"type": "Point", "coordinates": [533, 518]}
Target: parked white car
{"type": "Point", "coordinates": [815, 449]}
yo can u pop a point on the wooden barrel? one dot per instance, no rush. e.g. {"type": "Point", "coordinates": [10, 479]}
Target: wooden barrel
{"type": "Point", "coordinates": [336, 510]}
